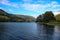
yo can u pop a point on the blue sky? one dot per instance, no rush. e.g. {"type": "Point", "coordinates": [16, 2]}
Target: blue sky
{"type": "Point", "coordinates": [30, 7]}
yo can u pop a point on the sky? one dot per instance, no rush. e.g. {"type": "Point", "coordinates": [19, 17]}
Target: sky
{"type": "Point", "coordinates": [30, 7]}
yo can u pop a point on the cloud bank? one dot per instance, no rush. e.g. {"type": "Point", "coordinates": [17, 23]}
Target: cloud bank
{"type": "Point", "coordinates": [6, 2]}
{"type": "Point", "coordinates": [37, 6]}
{"type": "Point", "coordinates": [52, 6]}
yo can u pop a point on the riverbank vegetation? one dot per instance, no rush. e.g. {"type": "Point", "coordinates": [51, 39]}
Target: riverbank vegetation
{"type": "Point", "coordinates": [46, 18]}
{"type": "Point", "coordinates": [49, 18]}
{"type": "Point", "coordinates": [54, 23]}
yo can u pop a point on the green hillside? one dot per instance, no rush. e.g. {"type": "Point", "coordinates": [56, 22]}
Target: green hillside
{"type": "Point", "coordinates": [6, 17]}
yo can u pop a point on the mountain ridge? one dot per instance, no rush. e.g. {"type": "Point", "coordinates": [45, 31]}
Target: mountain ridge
{"type": "Point", "coordinates": [6, 17]}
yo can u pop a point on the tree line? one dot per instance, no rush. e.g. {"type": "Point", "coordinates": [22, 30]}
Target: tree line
{"type": "Point", "coordinates": [48, 16]}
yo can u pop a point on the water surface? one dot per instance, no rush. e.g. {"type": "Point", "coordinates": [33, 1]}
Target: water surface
{"type": "Point", "coordinates": [28, 31]}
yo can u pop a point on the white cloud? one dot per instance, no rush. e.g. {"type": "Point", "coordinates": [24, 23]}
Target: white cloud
{"type": "Point", "coordinates": [6, 2]}
{"type": "Point", "coordinates": [27, 0]}
{"type": "Point", "coordinates": [33, 7]}
{"type": "Point", "coordinates": [52, 6]}
{"type": "Point", "coordinates": [32, 1]}
{"type": "Point", "coordinates": [40, 7]}
{"type": "Point", "coordinates": [55, 13]}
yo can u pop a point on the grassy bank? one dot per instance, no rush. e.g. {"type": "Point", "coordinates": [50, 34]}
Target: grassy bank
{"type": "Point", "coordinates": [53, 23]}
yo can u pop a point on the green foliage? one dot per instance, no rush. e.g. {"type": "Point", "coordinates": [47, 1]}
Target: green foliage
{"type": "Point", "coordinates": [40, 18]}
{"type": "Point", "coordinates": [3, 13]}
{"type": "Point", "coordinates": [58, 17]}
{"type": "Point", "coordinates": [46, 17]}
{"type": "Point", "coordinates": [5, 17]}
{"type": "Point", "coordinates": [53, 23]}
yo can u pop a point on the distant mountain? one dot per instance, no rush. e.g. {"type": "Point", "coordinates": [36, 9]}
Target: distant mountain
{"type": "Point", "coordinates": [6, 17]}
{"type": "Point", "coordinates": [2, 12]}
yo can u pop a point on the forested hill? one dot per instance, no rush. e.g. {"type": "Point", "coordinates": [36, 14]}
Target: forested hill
{"type": "Point", "coordinates": [6, 17]}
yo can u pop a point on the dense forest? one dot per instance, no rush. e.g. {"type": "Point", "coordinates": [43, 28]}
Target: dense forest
{"type": "Point", "coordinates": [46, 17]}
{"type": "Point", "coordinates": [8, 17]}
{"type": "Point", "coordinates": [49, 18]}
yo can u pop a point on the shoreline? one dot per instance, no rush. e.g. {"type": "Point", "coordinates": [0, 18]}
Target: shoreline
{"type": "Point", "coordinates": [53, 23]}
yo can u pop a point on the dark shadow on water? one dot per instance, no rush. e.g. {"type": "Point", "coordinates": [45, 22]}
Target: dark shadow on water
{"type": "Point", "coordinates": [45, 31]}
{"type": "Point", "coordinates": [57, 33]}
{"type": "Point", "coordinates": [49, 29]}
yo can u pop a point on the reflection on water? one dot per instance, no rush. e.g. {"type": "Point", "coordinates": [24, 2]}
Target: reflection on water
{"type": "Point", "coordinates": [49, 31]}
{"type": "Point", "coordinates": [57, 33]}
{"type": "Point", "coordinates": [28, 31]}
{"type": "Point", "coordinates": [45, 32]}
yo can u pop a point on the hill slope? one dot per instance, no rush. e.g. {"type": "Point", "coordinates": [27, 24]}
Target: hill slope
{"type": "Point", "coordinates": [6, 17]}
